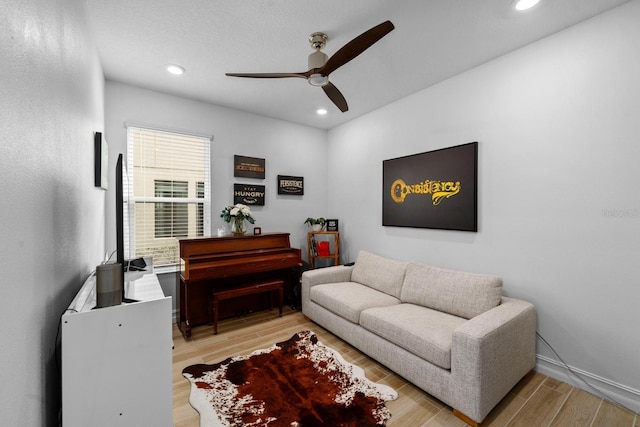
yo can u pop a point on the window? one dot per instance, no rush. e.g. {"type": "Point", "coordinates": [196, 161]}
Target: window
{"type": "Point", "coordinates": [171, 218]}
{"type": "Point", "coordinates": [200, 210]}
{"type": "Point", "coordinates": [167, 196]}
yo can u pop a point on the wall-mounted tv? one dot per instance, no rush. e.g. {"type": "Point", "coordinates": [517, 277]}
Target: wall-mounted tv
{"type": "Point", "coordinates": [140, 264]}
{"type": "Point", "coordinates": [120, 219]}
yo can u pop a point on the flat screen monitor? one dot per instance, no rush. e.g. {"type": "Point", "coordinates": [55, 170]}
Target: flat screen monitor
{"type": "Point", "coordinates": [120, 225]}
{"type": "Point", "coordinates": [120, 219]}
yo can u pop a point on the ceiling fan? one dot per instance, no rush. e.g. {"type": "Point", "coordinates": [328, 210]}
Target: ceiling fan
{"type": "Point", "coordinates": [320, 65]}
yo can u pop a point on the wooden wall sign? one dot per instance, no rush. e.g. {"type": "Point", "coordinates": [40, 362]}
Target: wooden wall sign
{"type": "Point", "coordinates": [291, 185]}
{"type": "Point", "coordinates": [248, 167]}
{"type": "Point", "coordinates": [250, 195]}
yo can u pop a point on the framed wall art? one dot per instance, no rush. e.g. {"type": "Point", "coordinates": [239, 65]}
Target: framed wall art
{"type": "Point", "coordinates": [250, 195]}
{"type": "Point", "coordinates": [332, 225]}
{"type": "Point", "coordinates": [249, 167]}
{"type": "Point", "coordinates": [437, 189]}
{"type": "Point", "coordinates": [101, 160]}
{"type": "Point", "coordinates": [293, 185]}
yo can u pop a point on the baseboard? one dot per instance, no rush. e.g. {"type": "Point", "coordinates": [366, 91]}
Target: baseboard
{"type": "Point", "coordinates": [611, 390]}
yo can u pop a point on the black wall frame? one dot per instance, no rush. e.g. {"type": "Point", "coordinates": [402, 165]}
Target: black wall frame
{"type": "Point", "coordinates": [437, 189]}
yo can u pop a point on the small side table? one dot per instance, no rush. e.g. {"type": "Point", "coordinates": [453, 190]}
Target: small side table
{"type": "Point", "coordinates": [314, 237]}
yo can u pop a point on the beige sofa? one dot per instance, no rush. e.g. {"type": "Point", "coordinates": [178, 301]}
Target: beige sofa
{"type": "Point", "coordinates": [450, 333]}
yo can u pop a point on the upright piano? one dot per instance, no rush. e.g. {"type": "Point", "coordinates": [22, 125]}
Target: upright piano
{"type": "Point", "coordinates": [209, 263]}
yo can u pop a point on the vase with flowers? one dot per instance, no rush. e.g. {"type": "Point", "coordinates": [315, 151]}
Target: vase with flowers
{"type": "Point", "coordinates": [236, 215]}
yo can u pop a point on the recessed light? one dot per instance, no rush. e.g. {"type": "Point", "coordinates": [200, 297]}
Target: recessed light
{"type": "Point", "coordinates": [321, 111]}
{"type": "Point", "coordinates": [175, 69]}
{"type": "Point", "coordinates": [525, 4]}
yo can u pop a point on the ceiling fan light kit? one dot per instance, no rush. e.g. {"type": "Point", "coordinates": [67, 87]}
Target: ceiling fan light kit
{"type": "Point", "coordinates": [318, 80]}
{"type": "Point", "coordinates": [320, 65]}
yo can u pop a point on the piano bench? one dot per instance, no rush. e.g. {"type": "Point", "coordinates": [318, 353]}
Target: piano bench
{"type": "Point", "coordinates": [243, 290]}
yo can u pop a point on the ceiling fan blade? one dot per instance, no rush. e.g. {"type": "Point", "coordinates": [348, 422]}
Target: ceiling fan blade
{"type": "Point", "coordinates": [356, 46]}
{"type": "Point", "coordinates": [336, 97]}
{"type": "Point", "coordinates": [268, 75]}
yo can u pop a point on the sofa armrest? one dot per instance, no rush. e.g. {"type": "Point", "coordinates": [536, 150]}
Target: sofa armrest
{"type": "Point", "coordinates": [334, 274]}
{"type": "Point", "coordinates": [490, 353]}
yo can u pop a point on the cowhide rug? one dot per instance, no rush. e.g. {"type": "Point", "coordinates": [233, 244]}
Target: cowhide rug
{"type": "Point", "coordinates": [298, 382]}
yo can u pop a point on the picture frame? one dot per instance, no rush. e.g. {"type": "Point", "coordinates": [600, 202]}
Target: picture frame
{"type": "Point", "coordinates": [249, 167]}
{"type": "Point", "coordinates": [436, 189]}
{"type": "Point", "coordinates": [291, 185]}
{"type": "Point", "coordinates": [248, 194]}
{"type": "Point", "coordinates": [101, 161]}
{"type": "Point", "coordinates": [332, 225]}
{"type": "Point", "coordinates": [257, 231]}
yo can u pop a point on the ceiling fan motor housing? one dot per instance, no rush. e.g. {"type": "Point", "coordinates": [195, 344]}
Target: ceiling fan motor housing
{"type": "Point", "coordinates": [317, 59]}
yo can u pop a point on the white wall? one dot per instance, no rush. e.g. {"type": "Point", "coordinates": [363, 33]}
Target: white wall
{"type": "Point", "coordinates": [288, 149]}
{"type": "Point", "coordinates": [559, 216]}
{"type": "Point", "coordinates": [558, 129]}
{"type": "Point", "coordinates": [52, 216]}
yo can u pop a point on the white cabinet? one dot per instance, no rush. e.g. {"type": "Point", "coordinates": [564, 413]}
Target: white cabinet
{"type": "Point", "coordinates": [117, 361]}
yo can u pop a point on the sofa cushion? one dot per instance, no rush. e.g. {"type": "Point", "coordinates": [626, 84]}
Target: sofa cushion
{"type": "Point", "coordinates": [383, 274]}
{"type": "Point", "coordinates": [348, 299]}
{"type": "Point", "coordinates": [424, 332]}
{"type": "Point", "coordinates": [455, 292]}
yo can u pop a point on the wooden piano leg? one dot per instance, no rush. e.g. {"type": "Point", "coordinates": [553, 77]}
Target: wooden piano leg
{"type": "Point", "coordinates": [280, 292]}
{"type": "Point", "coordinates": [209, 309]}
{"type": "Point", "coordinates": [215, 316]}
{"type": "Point", "coordinates": [185, 327]}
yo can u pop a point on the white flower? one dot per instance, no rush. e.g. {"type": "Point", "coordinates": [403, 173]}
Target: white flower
{"type": "Point", "coordinates": [238, 211]}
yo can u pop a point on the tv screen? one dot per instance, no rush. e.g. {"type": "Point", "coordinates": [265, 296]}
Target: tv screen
{"type": "Point", "coordinates": [120, 219]}
{"type": "Point", "coordinates": [136, 264]}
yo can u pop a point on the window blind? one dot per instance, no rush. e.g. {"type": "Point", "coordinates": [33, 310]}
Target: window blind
{"type": "Point", "coordinates": [167, 190]}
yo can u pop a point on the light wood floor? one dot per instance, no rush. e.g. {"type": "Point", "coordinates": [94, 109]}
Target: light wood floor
{"type": "Point", "coordinates": [537, 400]}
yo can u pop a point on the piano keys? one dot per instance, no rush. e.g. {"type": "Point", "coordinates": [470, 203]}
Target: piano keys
{"type": "Point", "coordinates": [223, 262]}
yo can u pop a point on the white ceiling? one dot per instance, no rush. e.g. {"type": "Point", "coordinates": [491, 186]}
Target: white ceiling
{"type": "Point", "coordinates": [433, 40]}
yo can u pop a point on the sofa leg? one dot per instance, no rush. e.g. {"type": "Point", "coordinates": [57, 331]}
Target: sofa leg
{"type": "Point", "coordinates": [473, 423]}
{"type": "Point", "coordinates": [466, 419]}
